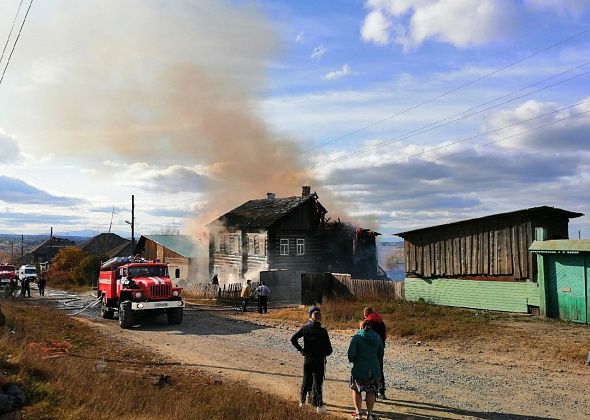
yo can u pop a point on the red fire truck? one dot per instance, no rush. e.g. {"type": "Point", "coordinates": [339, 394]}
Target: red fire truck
{"type": "Point", "coordinates": [7, 273]}
{"type": "Point", "coordinates": [131, 286]}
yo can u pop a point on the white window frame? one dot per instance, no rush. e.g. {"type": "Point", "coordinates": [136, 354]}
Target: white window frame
{"type": "Point", "coordinates": [300, 246]}
{"type": "Point", "coordinates": [284, 246]}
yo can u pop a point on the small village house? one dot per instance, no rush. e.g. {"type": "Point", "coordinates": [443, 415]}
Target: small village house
{"type": "Point", "coordinates": [43, 253]}
{"type": "Point", "coordinates": [481, 263]}
{"type": "Point", "coordinates": [108, 244]}
{"type": "Point", "coordinates": [179, 251]}
{"type": "Point", "coordinates": [288, 234]}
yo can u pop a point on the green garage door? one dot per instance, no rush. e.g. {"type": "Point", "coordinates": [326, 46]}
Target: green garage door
{"type": "Point", "coordinates": [567, 293]}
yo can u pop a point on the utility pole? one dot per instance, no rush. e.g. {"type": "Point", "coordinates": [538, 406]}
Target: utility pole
{"type": "Point", "coordinates": [12, 252]}
{"type": "Point", "coordinates": [22, 248]}
{"type": "Point", "coordinates": [133, 224]}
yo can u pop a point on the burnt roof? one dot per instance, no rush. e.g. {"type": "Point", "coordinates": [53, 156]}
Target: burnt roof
{"type": "Point", "coordinates": [263, 213]}
{"type": "Point", "coordinates": [530, 212]}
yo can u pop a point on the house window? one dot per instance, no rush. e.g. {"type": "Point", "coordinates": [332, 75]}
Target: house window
{"type": "Point", "coordinates": [284, 246]}
{"type": "Point", "coordinates": [217, 243]}
{"type": "Point", "coordinates": [223, 244]}
{"type": "Point", "coordinates": [256, 245]}
{"type": "Point", "coordinates": [232, 246]}
{"type": "Point", "coordinates": [300, 246]}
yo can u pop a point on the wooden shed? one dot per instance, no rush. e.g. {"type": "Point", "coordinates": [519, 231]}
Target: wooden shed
{"type": "Point", "coordinates": [564, 270]}
{"type": "Point", "coordinates": [179, 251]}
{"type": "Point", "coordinates": [483, 262]}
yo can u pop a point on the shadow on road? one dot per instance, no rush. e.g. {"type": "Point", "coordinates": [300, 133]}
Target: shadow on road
{"type": "Point", "coordinates": [429, 411]}
{"type": "Point", "coordinates": [215, 325]}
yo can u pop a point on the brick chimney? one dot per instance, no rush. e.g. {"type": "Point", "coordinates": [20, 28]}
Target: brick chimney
{"type": "Point", "coordinates": [270, 196]}
{"type": "Point", "coordinates": [305, 191]}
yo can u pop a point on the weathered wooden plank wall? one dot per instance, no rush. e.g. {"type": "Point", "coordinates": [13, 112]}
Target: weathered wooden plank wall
{"type": "Point", "coordinates": [502, 250]}
{"type": "Point", "coordinates": [493, 248]}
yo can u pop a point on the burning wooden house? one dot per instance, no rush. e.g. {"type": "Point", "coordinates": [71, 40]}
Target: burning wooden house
{"type": "Point", "coordinates": [481, 263]}
{"type": "Point", "coordinates": [288, 233]}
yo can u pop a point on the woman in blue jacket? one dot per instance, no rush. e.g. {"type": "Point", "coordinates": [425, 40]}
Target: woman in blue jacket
{"type": "Point", "coordinates": [364, 351]}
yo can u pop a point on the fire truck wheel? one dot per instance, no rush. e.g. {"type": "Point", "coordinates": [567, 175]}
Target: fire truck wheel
{"type": "Point", "coordinates": [125, 314]}
{"type": "Point", "coordinates": [174, 316]}
{"type": "Point", "coordinates": [105, 311]}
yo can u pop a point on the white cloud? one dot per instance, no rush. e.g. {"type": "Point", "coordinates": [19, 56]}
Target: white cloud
{"type": "Point", "coordinates": [8, 147]}
{"type": "Point", "coordinates": [112, 164]}
{"type": "Point", "coordinates": [376, 28]}
{"type": "Point", "coordinates": [89, 171]}
{"type": "Point", "coordinates": [462, 23]}
{"type": "Point", "coordinates": [562, 7]}
{"type": "Point", "coordinates": [338, 74]}
{"type": "Point", "coordinates": [318, 53]}
{"type": "Point", "coordinates": [299, 37]}
{"type": "Point", "coordinates": [172, 179]}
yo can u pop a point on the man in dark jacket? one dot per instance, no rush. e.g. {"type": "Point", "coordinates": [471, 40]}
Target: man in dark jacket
{"type": "Point", "coordinates": [12, 399]}
{"type": "Point", "coordinates": [316, 346]}
{"type": "Point", "coordinates": [378, 326]}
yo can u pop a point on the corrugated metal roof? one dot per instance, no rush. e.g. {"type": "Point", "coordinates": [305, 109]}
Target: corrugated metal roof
{"type": "Point", "coordinates": [262, 213]}
{"type": "Point", "coordinates": [560, 245]}
{"type": "Point", "coordinates": [529, 212]}
{"type": "Point", "coordinates": [184, 245]}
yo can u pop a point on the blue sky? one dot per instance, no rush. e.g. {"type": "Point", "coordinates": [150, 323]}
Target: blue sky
{"type": "Point", "coordinates": [198, 106]}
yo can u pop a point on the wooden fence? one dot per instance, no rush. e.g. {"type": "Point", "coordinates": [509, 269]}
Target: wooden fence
{"type": "Point", "coordinates": [372, 289]}
{"type": "Point", "coordinates": [230, 291]}
{"type": "Point", "coordinates": [316, 286]}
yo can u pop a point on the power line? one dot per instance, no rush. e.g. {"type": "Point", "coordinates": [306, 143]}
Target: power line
{"type": "Point", "coordinates": [513, 135]}
{"type": "Point", "coordinates": [448, 92]}
{"type": "Point", "coordinates": [16, 41]}
{"type": "Point", "coordinates": [442, 123]}
{"type": "Point", "coordinates": [11, 29]}
{"type": "Point", "coordinates": [466, 139]}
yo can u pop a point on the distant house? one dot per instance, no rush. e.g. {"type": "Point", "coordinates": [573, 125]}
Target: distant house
{"type": "Point", "coordinates": [287, 233]}
{"type": "Point", "coordinates": [179, 251]}
{"type": "Point", "coordinates": [108, 244]}
{"type": "Point", "coordinates": [44, 252]}
{"type": "Point", "coordinates": [481, 263]}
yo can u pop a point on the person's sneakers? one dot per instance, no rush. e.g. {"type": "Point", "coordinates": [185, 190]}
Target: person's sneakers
{"type": "Point", "coordinates": [301, 404]}
{"type": "Point", "coordinates": [381, 396]}
{"type": "Point", "coordinates": [372, 417]}
{"type": "Point", "coordinates": [356, 416]}
{"type": "Point", "coordinates": [321, 409]}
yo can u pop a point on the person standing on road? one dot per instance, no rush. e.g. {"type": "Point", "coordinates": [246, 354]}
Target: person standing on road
{"type": "Point", "coordinates": [25, 287]}
{"type": "Point", "coordinates": [316, 347]}
{"type": "Point", "coordinates": [12, 399]}
{"type": "Point", "coordinates": [41, 284]}
{"type": "Point", "coordinates": [263, 292]}
{"type": "Point", "coordinates": [245, 295]}
{"type": "Point", "coordinates": [378, 326]}
{"type": "Point", "coordinates": [364, 352]}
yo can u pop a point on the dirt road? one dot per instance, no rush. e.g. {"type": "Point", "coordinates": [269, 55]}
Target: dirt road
{"type": "Point", "coordinates": [424, 381]}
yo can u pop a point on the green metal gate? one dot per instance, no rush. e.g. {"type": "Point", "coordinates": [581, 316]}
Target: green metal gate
{"type": "Point", "coordinates": [567, 287]}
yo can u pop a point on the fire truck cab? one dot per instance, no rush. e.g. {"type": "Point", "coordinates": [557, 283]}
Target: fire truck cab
{"type": "Point", "coordinates": [130, 286]}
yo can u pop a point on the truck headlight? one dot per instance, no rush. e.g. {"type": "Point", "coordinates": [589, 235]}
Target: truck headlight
{"type": "Point", "coordinates": [137, 295]}
{"type": "Point", "coordinates": [140, 305]}
{"type": "Point", "coordinates": [175, 293]}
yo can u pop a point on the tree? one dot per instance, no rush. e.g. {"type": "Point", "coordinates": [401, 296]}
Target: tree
{"type": "Point", "coordinates": [86, 273]}
{"type": "Point", "coordinates": [63, 265]}
{"type": "Point", "coordinates": [67, 259]}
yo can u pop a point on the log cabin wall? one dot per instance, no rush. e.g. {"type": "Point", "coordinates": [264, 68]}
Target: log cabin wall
{"type": "Point", "coordinates": [491, 248]}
